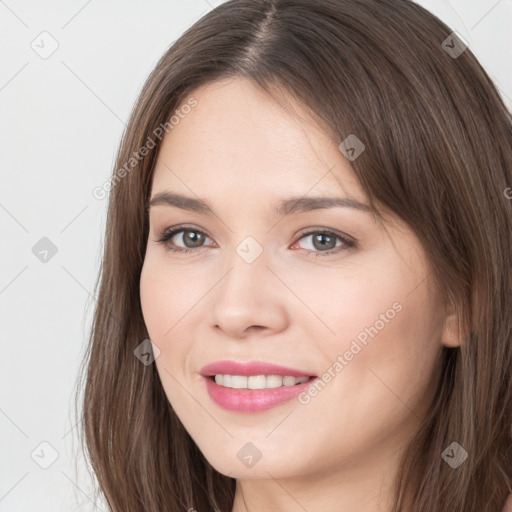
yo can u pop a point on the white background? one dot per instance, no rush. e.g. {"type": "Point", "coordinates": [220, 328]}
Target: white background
{"type": "Point", "coordinates": [61, 122]}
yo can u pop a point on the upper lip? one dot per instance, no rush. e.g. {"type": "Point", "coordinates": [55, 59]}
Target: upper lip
{"type": "Point", "coordinates": [250, 369]}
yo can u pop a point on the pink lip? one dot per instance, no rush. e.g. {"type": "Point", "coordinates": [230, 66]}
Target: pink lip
{"type": "Point", "coordinates": [252, 400]}
{"type": "Point", "coordinates": [248, 369]}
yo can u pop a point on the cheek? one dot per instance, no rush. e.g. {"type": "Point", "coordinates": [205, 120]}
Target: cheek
{"type": "Point", "coordinates": [164, 304]}
{"type": "Point", "coordinates": [369, 293]}
{"type": "Point", "coordinates": [154, 302]}
{"type": "Point", "coordinates": [391, 371]}
{"type": "Point", "coordinates": [384, 319]}
{"type": "Point", "coordinates": [171, 308]}
{"type": "Point", "coordinates": [380, 369]}
{"type": "Point", "coordinates": [165, 297]}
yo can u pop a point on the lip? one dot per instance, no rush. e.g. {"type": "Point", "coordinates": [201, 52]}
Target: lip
{"type": "Point", "coordinates": [252, 400]}
{"type": "Point", "coordinates": [251, 369]}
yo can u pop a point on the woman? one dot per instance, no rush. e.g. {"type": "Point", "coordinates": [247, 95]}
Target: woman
{"type": "Point", "coordinates": [305, 295]}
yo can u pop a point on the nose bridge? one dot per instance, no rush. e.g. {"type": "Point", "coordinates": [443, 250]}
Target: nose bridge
{"type": "Point", "coordinates": [247, 294]}
{"type": "Point", "coordinates": [248, 274]}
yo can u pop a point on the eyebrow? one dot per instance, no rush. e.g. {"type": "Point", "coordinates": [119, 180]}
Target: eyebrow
{"type": "Point", "coordinates": [289, 206]}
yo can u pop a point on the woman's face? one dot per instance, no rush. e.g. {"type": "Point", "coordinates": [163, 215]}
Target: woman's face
{"type": "Point", "coordinates": [256, 287]}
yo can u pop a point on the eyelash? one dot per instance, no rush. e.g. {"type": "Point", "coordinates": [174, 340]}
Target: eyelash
{"type": "Point", "coordinates": [166, 236]}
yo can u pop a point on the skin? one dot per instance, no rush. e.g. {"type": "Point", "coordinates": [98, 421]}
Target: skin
{"type": "Point", "coordinates": [242, 152]}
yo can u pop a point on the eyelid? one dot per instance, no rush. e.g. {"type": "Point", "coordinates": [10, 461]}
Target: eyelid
{"type": "Point", "coordinates": [323, 229]}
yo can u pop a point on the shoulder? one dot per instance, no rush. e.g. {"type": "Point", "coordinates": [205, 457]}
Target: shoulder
{"type": "Point", "coordinates": [508, 504]}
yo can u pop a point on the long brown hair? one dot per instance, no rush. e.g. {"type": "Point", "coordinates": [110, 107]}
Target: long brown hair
{"type": "Point", "coordinates": [438, 153]}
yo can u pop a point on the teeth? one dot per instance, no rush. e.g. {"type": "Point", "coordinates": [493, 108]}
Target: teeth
{"type": "Point", "coordinates": [257, 381]}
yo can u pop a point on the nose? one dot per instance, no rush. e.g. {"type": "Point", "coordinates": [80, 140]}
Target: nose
{"type": "Point", "coordinates": [249, 299]}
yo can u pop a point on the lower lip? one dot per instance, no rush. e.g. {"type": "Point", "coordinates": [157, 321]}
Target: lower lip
{"type": "Point", "coordinates": [253, 400]}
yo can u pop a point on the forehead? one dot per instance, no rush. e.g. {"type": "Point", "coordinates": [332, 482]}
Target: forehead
{"type": "Point", "coordinates": [238, 139]}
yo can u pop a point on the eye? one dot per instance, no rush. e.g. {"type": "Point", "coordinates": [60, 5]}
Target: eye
{"type": "Point", "coordinates": [325, 239]}
{"type": "Point", "coordinates": [191, 236]}
{"type": "Point", "coordinates": [194, 238]}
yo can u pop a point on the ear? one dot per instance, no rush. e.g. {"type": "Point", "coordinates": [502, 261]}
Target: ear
{"type": "Point", "coordinates": [451, 335]}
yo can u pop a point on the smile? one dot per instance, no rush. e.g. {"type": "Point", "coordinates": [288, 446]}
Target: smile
{"type": "Point", "coordinates": [257, 381]}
